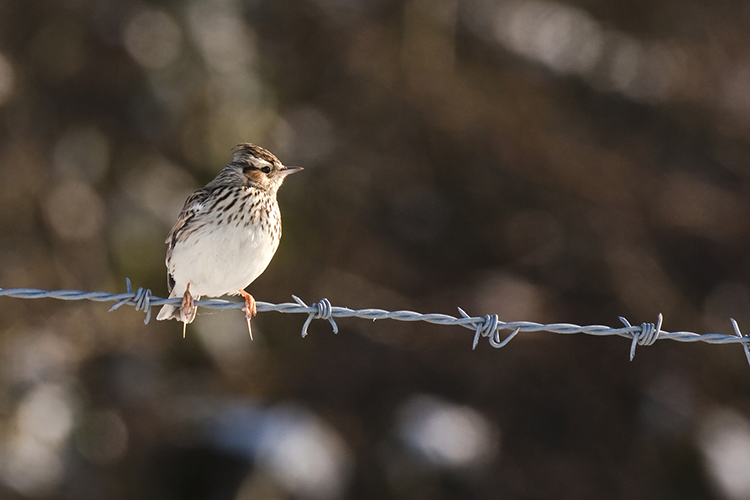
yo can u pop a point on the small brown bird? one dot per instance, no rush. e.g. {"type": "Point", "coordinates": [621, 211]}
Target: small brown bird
{"type": "Point", "coordinates": [226, 234]}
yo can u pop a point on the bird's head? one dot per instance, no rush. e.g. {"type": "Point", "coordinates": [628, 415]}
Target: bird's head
{"type": "Point", "coordinates": [260, 167]}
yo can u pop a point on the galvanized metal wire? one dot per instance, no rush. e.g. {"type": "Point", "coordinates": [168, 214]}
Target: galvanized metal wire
{"type": "Point", "coordinates": [488, 326]}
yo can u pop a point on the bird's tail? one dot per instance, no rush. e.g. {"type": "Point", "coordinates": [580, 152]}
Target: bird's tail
{"type": "Point", "coordinates": [169, 311]}
{"type": "Point", "coordinates": [179, 311]}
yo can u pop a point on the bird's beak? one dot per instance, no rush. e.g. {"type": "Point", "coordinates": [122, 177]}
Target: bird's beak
{"type": "Point", "coordinates": [289, 170]}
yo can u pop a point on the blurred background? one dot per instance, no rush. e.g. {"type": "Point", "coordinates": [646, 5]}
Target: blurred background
{"type": "Point", "coordinates": [541, 160]}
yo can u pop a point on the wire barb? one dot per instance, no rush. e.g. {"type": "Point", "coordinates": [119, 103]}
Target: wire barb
{"type": "Point", "coordinates": [647, 335]}
{"type": "Point", "coordinates": [739, 334]}
{"type": "Point", "coordinates": [140, 299]}
{"type": "Point", "coordinates": [495, 340]}
{"type": "Point", "coordinates": [488, 326]}
{"type": "Point", "coordinates": [321, 310]}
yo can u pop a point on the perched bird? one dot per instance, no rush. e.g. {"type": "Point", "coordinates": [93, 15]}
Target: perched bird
{"type": "Point", "coordinates": [226, 234]}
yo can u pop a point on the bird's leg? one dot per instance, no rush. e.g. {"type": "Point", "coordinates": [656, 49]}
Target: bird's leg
{"type": "Point", "coordinates": [187, 309]}
{"type": "Point", "coordinates": [250, 310]}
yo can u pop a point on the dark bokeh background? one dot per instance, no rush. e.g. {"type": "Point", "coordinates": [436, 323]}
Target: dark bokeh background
{"type": "Point", "coordinates": [545, 161]}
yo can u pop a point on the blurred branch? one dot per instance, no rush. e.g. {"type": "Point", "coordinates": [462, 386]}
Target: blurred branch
{"type": "Point", "coordinates": [488, 326]}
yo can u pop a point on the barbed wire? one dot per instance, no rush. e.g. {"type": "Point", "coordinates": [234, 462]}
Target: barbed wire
{"type": "Point", "coordinates": [488, 326]}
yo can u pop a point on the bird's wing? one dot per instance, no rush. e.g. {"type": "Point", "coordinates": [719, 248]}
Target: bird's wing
{"type": "Point", "coordinates": [187, 218]}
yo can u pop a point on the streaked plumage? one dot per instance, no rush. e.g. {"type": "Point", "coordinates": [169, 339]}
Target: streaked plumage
{"type": "Point", "coordinates": [227, 232]}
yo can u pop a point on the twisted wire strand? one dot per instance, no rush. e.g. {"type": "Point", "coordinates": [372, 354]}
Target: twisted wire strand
{"type": "Point", "coordinates": [488, 326]}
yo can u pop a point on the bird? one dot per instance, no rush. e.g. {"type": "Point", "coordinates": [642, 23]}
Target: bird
{"type": "Point", "coordinates": [226, 234]}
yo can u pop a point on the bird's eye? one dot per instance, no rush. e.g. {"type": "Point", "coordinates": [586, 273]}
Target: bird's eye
{"type": "Point", "coordinates": [266, 170]}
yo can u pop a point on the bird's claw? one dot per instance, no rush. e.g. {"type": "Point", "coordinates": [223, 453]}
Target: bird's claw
{"type": "Point", "coordinates": [249, 309]}
{"type": "Point", "coordinates": [187, 309]}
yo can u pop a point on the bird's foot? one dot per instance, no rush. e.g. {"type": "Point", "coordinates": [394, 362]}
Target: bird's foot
{"type": "Point", "coordinates": [187, 309]}
{"type": "Point", "coordinates": [250, 310]}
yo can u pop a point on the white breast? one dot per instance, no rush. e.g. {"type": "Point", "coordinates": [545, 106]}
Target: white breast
{"type": "Point", "coordinates": [219, 262]}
